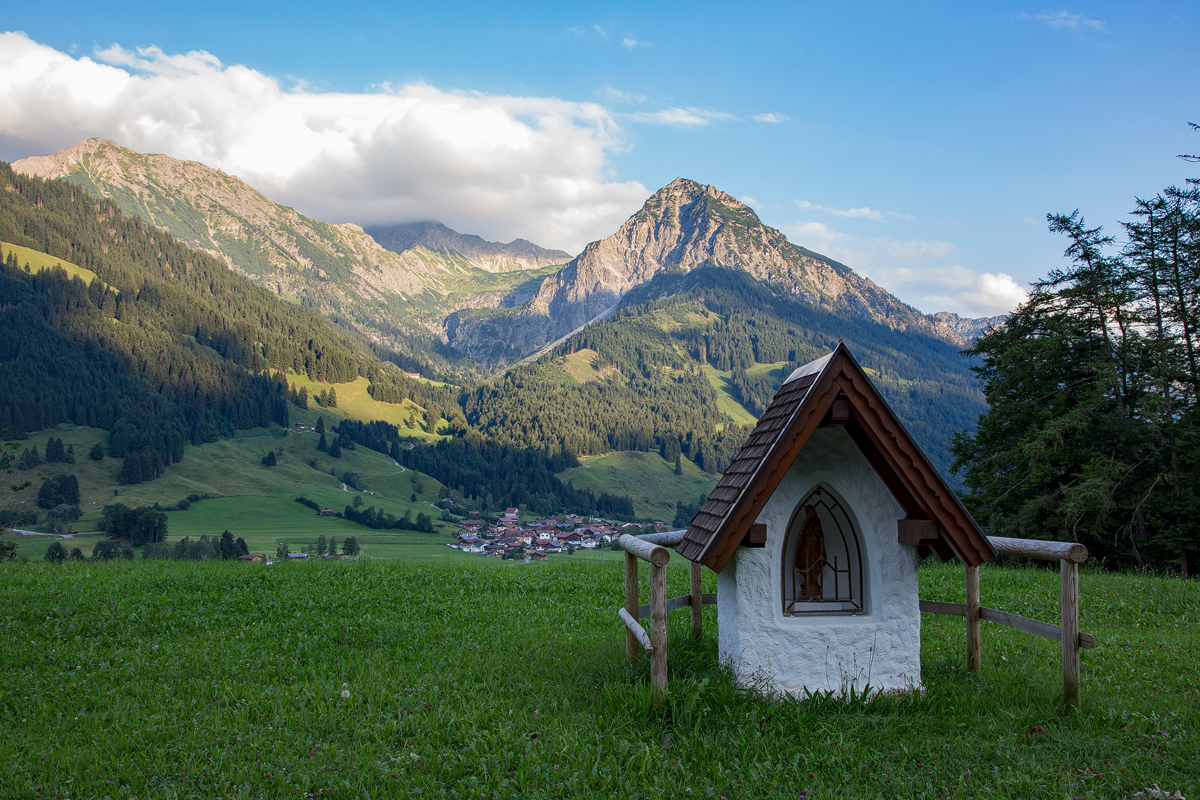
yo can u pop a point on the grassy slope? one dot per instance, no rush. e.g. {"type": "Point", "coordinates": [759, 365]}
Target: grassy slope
{"type": "Point", "coordinates": [188, 680]}
{"type": "Point", "coordinates": [356, 403]}
{"type": "Point", "coordinates": [645, 477]}
{"type": "Point", "coordinates": [38, 261]}
{"type": "Point", "coordinates": [256, 502]}
{"type": "Point", "coordinates": [720, 381]}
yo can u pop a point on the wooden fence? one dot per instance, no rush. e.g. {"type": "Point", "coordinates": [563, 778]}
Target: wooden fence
{"type": "Point", "coordinates": [652, 548]}
{"type": "Point", "coordinates": [1070, 556]}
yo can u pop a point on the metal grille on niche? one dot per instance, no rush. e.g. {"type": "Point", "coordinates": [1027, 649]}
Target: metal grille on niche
{"type": "Point", "coordinates": [822, 559]}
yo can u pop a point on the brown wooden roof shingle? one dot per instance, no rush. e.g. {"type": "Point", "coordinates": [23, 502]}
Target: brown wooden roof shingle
{"type": "Point", "coordinates": [802, 405]}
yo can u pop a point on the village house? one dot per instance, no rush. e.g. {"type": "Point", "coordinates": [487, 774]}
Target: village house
{"type": "Point", "coordinates": [511, 514]}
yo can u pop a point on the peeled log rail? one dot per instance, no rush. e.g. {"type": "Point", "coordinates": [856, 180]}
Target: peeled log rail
{"type": "Point", "coordinates": [1036, 548]}
{"type": "Point", "coordinates": [683, 601]}
{"type": "Point", "coordinates": [636, 629]}
{"type": "Point", "coordinates": [656, 554]}
{"type": "Point", "coordinates": [666, 538]}
{"type": "Point", "coordinates": [1025, 624]}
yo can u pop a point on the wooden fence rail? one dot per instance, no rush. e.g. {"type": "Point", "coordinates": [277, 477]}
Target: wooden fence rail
{"type": "Point", "coordinates": [1069, 555]}
{"type": "Point", "coordinates": [651, 549]}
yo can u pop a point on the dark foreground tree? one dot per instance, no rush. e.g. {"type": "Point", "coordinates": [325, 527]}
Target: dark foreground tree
{"type": "Point", "coordinates": [1093, 428]}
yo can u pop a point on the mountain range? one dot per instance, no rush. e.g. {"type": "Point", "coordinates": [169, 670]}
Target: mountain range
{"type": "Point", "coordinates": [671, 334]}
{"type": "Point", "coordinates": [429, 292]}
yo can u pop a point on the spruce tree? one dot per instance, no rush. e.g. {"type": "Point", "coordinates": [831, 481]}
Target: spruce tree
{"type": "Point", "coordinates": [97, 452]}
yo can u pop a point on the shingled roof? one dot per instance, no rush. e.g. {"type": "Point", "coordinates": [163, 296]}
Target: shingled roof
{"type": "Point", "coordinates": [832, 390]}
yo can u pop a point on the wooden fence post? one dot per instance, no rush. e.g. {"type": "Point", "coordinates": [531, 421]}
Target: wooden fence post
{"type": "Point", "coordinates": [658, 631]}
{"type": "Point", "coordinates": [1070, 632]}
{"type": "Point", "coordinates": [697, 600]}
{"type": "Point", "coordinates": [974, 645]}
{"type": "Point", "coordinates": [632, 646]}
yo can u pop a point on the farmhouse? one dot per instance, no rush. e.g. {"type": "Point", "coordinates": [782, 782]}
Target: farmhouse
{"type": "Point", "coordinates": [815, 530]}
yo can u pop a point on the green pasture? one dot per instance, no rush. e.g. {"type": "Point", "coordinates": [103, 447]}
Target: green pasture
{"type": "Point", "coordinates": [721, 382]}
{"type": "Point", "coordinates": [37, 261]}
{"type": "Point", "coordinates": [649, 480]}
{"type": "Point", "coordinates": [252, 496]}
{"type": "Point", "coordinates": [499, 680]}
{"type": "Point", "coordinates": [356, 403]}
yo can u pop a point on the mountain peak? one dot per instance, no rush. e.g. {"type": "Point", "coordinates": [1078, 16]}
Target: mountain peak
{"type": "Point", "coordinates": [490, 256]}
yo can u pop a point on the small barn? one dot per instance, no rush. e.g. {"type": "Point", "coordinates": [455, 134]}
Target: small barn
{"type": "Point", "coordinates": [815, 531]}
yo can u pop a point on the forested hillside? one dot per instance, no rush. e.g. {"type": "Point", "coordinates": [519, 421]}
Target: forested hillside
{"type": "Point", "coordinates": [166, 346]}
{"type": "Point", "coordinates": [644, 386]}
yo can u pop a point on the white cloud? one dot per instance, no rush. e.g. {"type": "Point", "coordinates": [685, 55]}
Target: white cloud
{"type": "Point", "coordinates": [613, 95]}
{"type": "Point", "coordinates": [772, 118]}
{"type": "Point", "coordinates": [629, 43]}
{"type": "Point", "coordinates": [748, 200]}
{"type": "Point", "coordinates": [914, 251]}
{"type": "Point", "coordinates": [680, 117]}
{"type": "Point", "coordinates": [498, 166]}
{"type": "Point", "coordinates": [865, 212]}
{"type": "Point", "coordinates": [1066, 21]}
{"type": "Point", "coordinates": [910, 270]}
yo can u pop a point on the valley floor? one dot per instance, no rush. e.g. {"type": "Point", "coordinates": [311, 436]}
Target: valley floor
{"type": "Point", "coordinates": [488, 679]}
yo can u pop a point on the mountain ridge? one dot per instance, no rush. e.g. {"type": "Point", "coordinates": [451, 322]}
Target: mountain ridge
{"type": "Point", "coordinates": [518, 254]}
{"type": "Point", "coordinates": [684, 226]}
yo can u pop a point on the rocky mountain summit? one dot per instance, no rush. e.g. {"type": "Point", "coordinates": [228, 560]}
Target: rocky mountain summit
{"type": "Point", "coordinates": [488, 256]}
{"type": "Point", "coordinates": [683, 226]}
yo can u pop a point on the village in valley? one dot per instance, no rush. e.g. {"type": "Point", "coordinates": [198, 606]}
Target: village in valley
{"type": "Point", "coordinates": [505, 536]}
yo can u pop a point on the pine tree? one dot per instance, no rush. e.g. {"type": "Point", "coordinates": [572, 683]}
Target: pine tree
{"type": "Point", "coordinates": [322, 545]}
{"type": "Point", "coordinates": [320, 425]}
{"type": "Point", "coordinates": [334, 450]}
{"type": "Point", "coordinates": [678, 465]}
{"type": "Point", "coordinates": [240, 548]}
{"type": "Point", "coordinates": [321, 445]}
{"type": "Point", "coordinates": [331, 398]}
{"type": "Point", "coordinates": [227, 545]}
{"type": "Point", "coordinates": [97, 452]}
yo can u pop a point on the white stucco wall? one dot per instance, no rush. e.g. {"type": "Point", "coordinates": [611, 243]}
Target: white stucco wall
{"type": "Point", "coordinates": [881, 645]}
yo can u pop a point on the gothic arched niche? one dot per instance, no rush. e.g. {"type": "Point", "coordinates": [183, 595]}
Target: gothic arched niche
{"type": "Point", "coordinates": [822, 559]}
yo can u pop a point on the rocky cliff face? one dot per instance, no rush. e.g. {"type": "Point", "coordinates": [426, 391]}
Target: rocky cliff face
{"type": "Point", "coordinates": [518, 254]}
{"type": "Point", "coordinates": [966, 328]}
{"type": "Point", "coordinates": [683, 226]}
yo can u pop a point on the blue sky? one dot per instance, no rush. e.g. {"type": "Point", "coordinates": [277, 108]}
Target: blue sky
{"type": "Point", "coordinates": [921, 144]}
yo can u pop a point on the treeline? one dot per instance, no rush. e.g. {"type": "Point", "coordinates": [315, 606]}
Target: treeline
{"type": "Point", "coordinates": [143, 525]}
{"type": "Point", "coordinates": [224, 547]}
{"type": "Point", "coordinates": [495, 475]}
{"type": "Point", "coordinates": [379, 520]}
{"type": "Point", "coordinates": [1093, 434]}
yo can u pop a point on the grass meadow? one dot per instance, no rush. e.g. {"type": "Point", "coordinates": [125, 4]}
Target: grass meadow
{"type": "Point", "coordinates": [646, 477]}
{"type": "Point", "coordinates": [486, 679]}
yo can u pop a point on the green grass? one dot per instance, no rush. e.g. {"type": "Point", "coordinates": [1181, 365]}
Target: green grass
{"type": "Point", "coordinates": [37, 261]}
{"type": "Point", "coordinates": [645, 477]}
{"type": "Point", "coordinates": [219, 679]}
{"type": "Point", "coordinates": [255, 502]}
{"type": "Point", "coordinates": [356, 403]}
{"type": "Point", "coordinates": [720, 381]}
